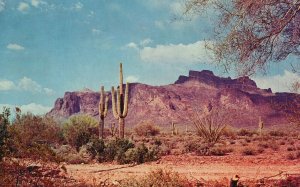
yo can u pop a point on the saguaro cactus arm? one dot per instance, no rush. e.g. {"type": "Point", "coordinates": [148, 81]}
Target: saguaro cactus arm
{"type": "Point", "coordinates": [119, 106]}
{"type": "Point", "coordinates": [114, 103]}
{"type": "Point", "coordinates": [121, 79]}
{"type": "Point", "coordinates": [125, 110]}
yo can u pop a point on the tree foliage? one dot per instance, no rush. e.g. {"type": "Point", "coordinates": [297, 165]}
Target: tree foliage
{"type": "Point", "coordinates": [251, 34]}
{"type": "Point", "coordinates": [4, 122]}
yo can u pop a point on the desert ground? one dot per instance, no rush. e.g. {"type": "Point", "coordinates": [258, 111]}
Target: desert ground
{"type": "Point", "coordinates": [195, 168]}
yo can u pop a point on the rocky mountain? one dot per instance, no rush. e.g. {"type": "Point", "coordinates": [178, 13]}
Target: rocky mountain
{"type": "Point", "coordinates": [243, 100]}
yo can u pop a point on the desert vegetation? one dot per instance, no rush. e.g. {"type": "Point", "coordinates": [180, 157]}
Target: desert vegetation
{"type": "Point", "coordinates": [28, 150]}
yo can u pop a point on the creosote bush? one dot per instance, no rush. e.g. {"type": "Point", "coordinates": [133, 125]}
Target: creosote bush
{"type": "Point", "coordinates": [146, 128]}
{"type": "Point", "coordinates": [33, 136]}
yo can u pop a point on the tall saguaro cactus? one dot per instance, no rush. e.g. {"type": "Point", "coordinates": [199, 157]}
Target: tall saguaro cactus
{"type": "Point", "coordinates": [103, 105]}
{"type": "Point", "coordinates": [120, 107]}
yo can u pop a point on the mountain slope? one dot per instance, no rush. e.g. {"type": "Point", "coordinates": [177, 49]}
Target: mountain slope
{"type": "Point", "coordinates": [177, 102]}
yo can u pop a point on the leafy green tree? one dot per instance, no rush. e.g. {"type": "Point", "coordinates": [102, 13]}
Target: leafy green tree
{"type": "Point", "coordinates": [250, 34]}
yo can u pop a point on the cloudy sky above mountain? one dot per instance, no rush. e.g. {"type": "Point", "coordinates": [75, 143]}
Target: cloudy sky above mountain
{"type": "Point", "coordinates": [52, 46]}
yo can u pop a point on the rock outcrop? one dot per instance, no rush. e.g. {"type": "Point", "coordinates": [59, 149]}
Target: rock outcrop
{"type": "Point", "coordinates": [177, 102]}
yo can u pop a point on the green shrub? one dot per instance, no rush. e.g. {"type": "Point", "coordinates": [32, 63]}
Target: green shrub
{"type": "Point", "coordinates": [123, 151]}
{"type": "Point", "coordinates": [79, 130]}
{"type": "Point", "coordinates": [146, 128]}
{"type": "Point", "coordinates": [4, 134]}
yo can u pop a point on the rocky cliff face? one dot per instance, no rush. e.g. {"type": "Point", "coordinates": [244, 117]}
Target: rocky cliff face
{"type": "Point", "coordinates": [178, 102]}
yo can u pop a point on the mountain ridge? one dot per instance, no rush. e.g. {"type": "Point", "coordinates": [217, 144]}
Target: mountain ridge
{"type": "Point", "coordinates": [176, 102]}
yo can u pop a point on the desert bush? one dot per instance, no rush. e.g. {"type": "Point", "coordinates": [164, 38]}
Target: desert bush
{"type": "Point", "coordinates": [191, 146]}
{"type": "Point", "coordinates": [141, 154]}
{"type": "Point", "coordinates": [277, 133]}
{"type": "Point", "coordinates": [260, 150]}
{"type": "Point", "coordinates": [291, 148]}
{"type": "Point", "coordinates": [158, 178]}
{"type": "Point", "coordinates": [290, 181]}
{"type": "Point", "coordinates": [4, 134]}
{"type": "Point", "coordinates": [79, 130]}
{"type": "Point", "coordinates": [263, 145]}
{"type": "Point", "coordinates": [121, 150]}
{"type": "Point", "coordinates": [33, 136]}
{"type": "Point", "coordinates": [229, 132]}
{"type": "Point", "coordinates": [146, 128]}
{"type": "Point", "coordinates": [205, 150]}
{"type": "Point", "coordinates": [282, 143]}
{"type": "Point", "coordinates": [17, 173]}
{"type": "Point", "coordinates": [249, 151]}
{"type": "Point", "coordinates": [274, 146]}
{"type": "Point", "coordinates": [164, 150]}
{"type": "Point", "coordinates": [220, 151]}
{"type": "Point", "coordinates": [245, 132]}
{"type": "Point", "coordinates": [293, 155]}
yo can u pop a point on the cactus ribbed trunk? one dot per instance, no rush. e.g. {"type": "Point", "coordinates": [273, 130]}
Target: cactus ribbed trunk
{"type": "Point", "coordinates": [101, 128]}
{"type": "Point", "coordinates": [121, 127]}
{"type": "Point", "coordinates": [103, 106]}
{"type": "Point", "coordinates": [120, 105]}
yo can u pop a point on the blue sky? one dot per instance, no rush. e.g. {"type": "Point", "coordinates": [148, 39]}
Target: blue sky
{"type": "Point", "coordinates": [52, 46]}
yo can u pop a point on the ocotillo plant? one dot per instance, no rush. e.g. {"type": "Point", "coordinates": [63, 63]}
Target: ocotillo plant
{"type": "Point", "coordinates": [260, 126]}
{"type": "Point", "coordinates": [103, 105]}
{"type": "Point", "coordinates": [120, 107]}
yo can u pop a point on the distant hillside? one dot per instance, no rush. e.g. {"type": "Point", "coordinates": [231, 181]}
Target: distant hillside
{"type": "Point", "coordinates": [176, 102]}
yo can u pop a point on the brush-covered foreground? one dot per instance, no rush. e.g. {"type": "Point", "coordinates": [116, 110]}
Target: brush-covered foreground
{"type": "Point", "coordinates": [42, 152]}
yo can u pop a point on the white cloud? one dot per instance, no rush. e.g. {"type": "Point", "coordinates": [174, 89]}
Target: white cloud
{"type": "Point", "coordinates": [159, 24]}
{"type": "Point", "coordinates": [15, 47]}
{"type": "Point", "coordinates": [25, 84]}
{"type": "Point", "coordinates": [96, 31]}
{"type": "Point", "coordinates": [6, 85]}
{"type": "Point", "coordinates": [2, 5]}
{"type": "Point", "coordinates": [23, 7]}
{"type": "Point", "coordinates": [36, 3]}
{"type": "Point", "coordinates": [49, 91]}
{"type": "Point", "coordinates": [179, 53]}
{"type": "Point", "coordinates": [139, 45]}
{"type": "Point", "coordinates": [29, 85]}
{"type": "Point", "coordinates": [132, 78]}
{"type": "Point", "coordinates": [278, 83]}
{"type": "Point", "coordinates": [77, 6]}
{"type": "Point", "coordinates": [132, 45]}
{"type": "Point", "coordinates": [33, 108]}
{"type": "Point", "coordinates": [145, 42]}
